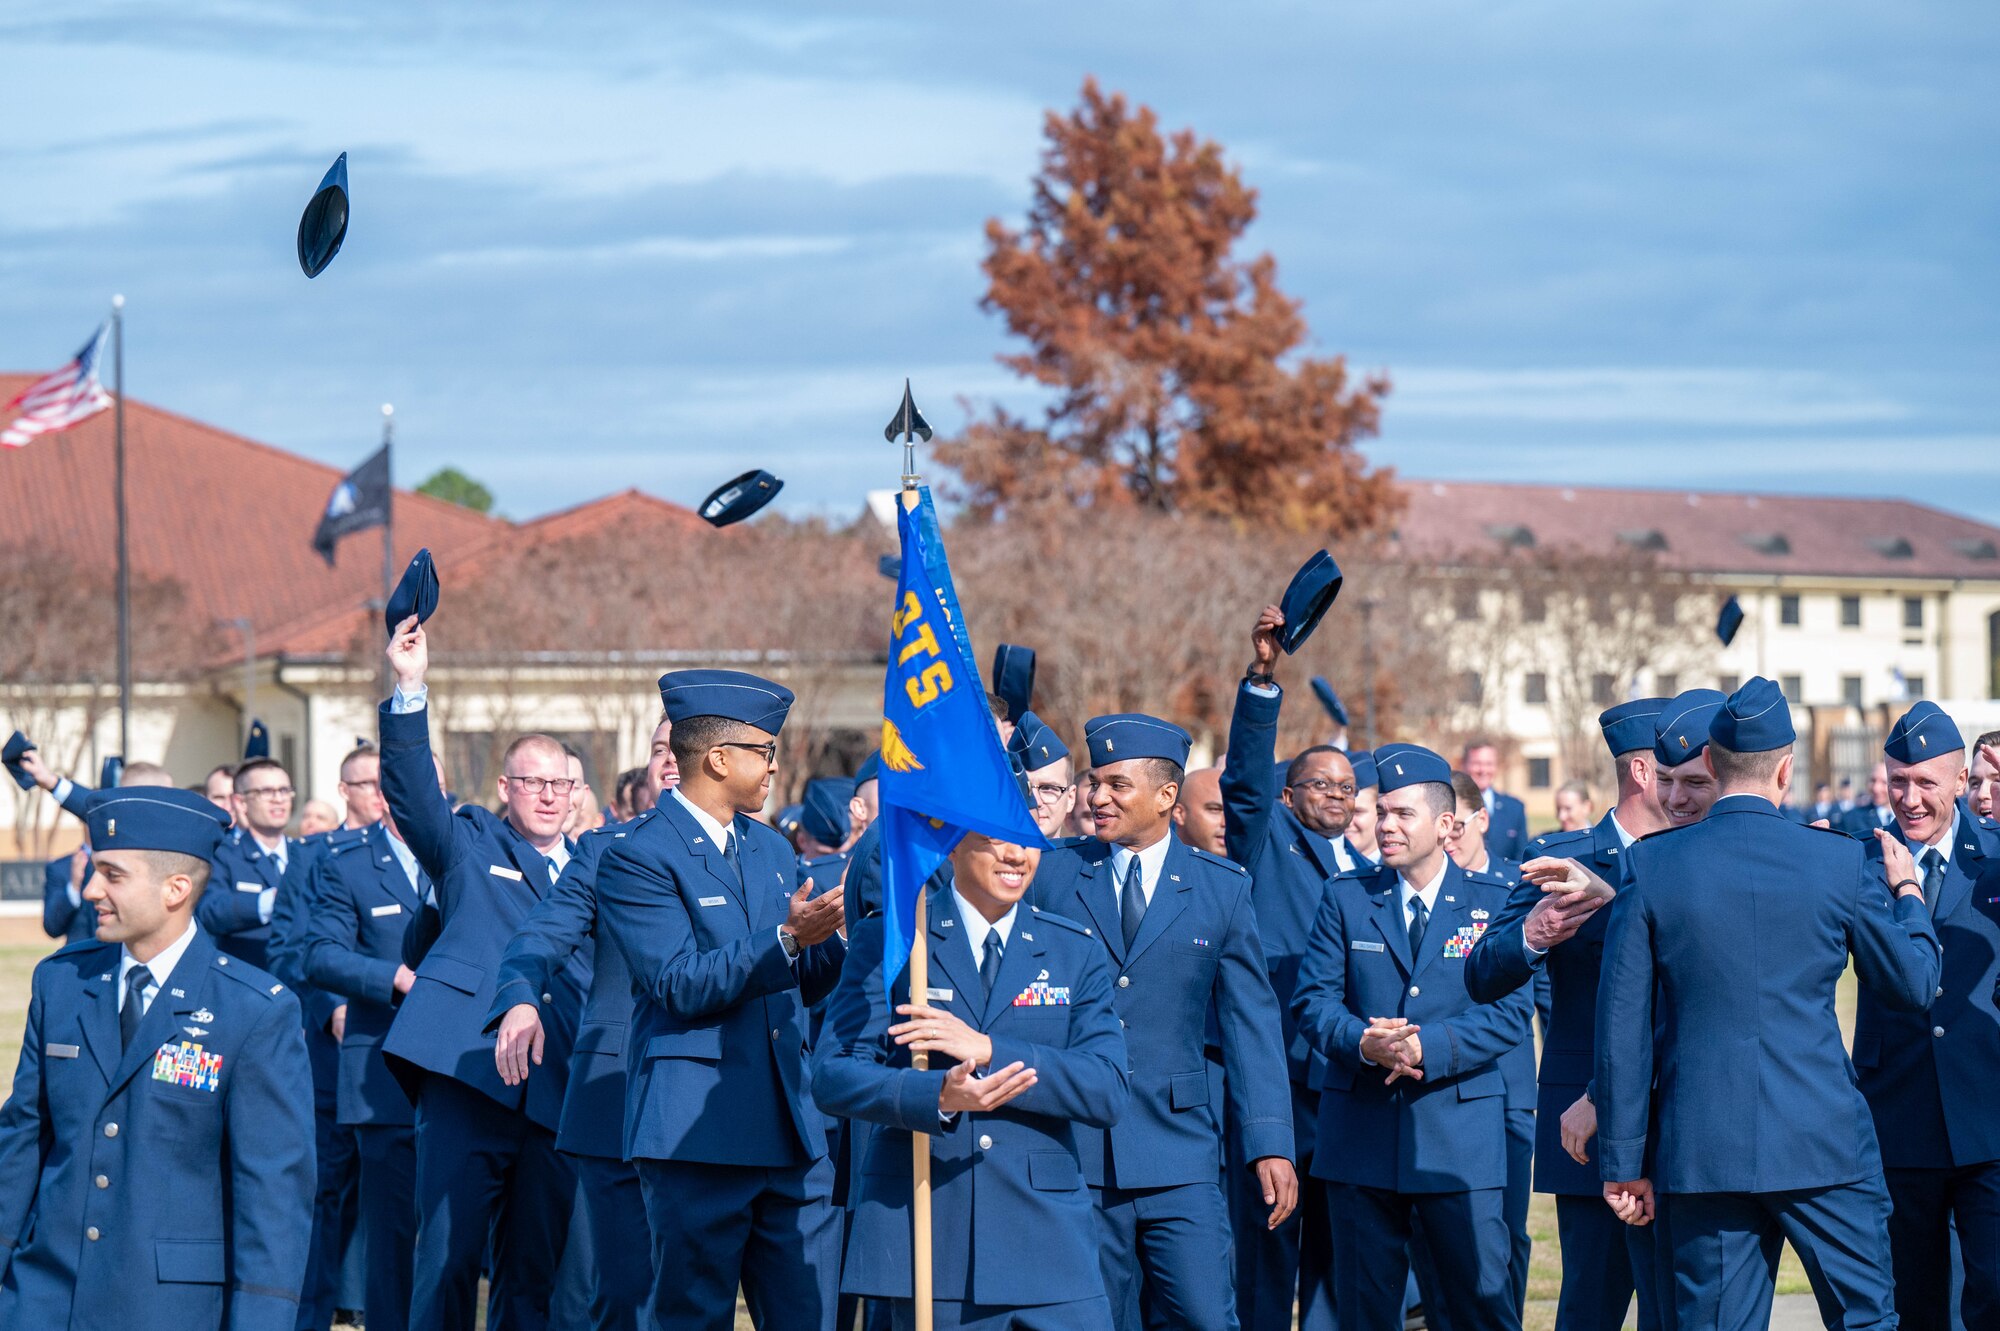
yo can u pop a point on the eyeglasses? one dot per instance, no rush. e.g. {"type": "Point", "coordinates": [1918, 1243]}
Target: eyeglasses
{"type": "Point", "coordinates": [769, 749]}
{"type": "Point", "coordinates": [1048, 794]}
{"type": "Point", "coordinates": [533, 785]}
{"type": "Point", "coordinates": [1319, 785]}
{"type": "Point", "coordinates": [269, 793]}
{"type": "Point", "coordinates": [361, 787]}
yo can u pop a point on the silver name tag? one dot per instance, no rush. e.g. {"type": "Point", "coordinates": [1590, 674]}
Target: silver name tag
{"type": "Point", "coordinates": [394, 909]}
{"type": "Point", "coordinates": [937, 995]}
{"type": "Point", "coordinates": [713, 901]}
{"type": "Point", "coordinates": [63, 1050]}
{"type": "Point", "coordinates": [502, 871]}
{"type": "Point", "coordinates": [1360, 946]}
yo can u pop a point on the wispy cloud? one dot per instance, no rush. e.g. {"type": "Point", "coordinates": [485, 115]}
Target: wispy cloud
{"type": "Point", "coordinates": [1630, 395]}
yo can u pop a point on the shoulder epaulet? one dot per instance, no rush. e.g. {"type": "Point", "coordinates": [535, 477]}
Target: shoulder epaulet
{"type": "Point", "coordinates": [1050, 917]}
{"type": "Point", "coordinates": [1488, 879]}
{"type": "Point", "coordinates": [1213, 858]}
{"type": "Point", "coordinates": [77, 945]}
{"type": "Point", "coordinates": [347, 836]}
{"type": "Point", "coordinates": [338, 848]}
{"type": "Point", "coordinates": [1844, 836]}
{"type": "Point", "coordinates": [818, 860]}
{"type": "Point", "coordinates": [251, 978]}
{"type": "Point", "coordinates": [1666, 831]}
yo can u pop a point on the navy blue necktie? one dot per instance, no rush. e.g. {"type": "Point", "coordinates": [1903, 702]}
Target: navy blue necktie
{"type": "Point", "coordinates": [1419, 916]}
{"type": "Point", "coordinates": [1132, 902]}
{"type": "Point", "coordinates": [137, 981]}
{"type": "Point", "coordinates": [1933, 863]}
{"type": "Point", "coordinates": [989, 965]}
{"type": "Point", "coordinates": [730, 853]}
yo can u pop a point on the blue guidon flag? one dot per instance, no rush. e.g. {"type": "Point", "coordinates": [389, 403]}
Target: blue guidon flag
{"type": "Point", "coordinates": [944, 770]}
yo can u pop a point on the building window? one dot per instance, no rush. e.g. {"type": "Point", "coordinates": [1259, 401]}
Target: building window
{"type": "Point", "coordinates": [1535, 688]}
{"type": "Point", "coordinates": [1534, 607]}
{"type": "Point", "coordinates": [1850, 612]}
{"type": "Point", "coordinates": [1470, 689]}
{"type": "Point", "coordinates": [1913, 687]}
{"type": "Point", "coordinates": [1794, 687]}
{"type": "Point", "coordinates": [1729, 683]}
{"type": "Point", "coordinates": [1538, 774]}
{"type": "Point", "coordinates": [1601, 689]}
{"type": "Point", "coordinates": [1788, 610]}
{"type": "Point", "coordinates": [1667, 684]}
{"type": "Point", "coordinates": [1850, 690]}
{"type": "Point", "coordinates": [1913, 612]}
{"type": "Point", "coordinates": [1465, 603]}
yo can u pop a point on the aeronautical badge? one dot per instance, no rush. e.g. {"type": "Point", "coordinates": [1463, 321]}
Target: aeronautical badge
{"type": "Point", "coordinates": [1043, 994]}
{"type": "Point", "coordinates": [188, 1064]}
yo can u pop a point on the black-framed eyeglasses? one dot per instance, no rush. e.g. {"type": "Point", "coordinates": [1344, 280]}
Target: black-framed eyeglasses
{"type": "Point", "coordinates": [533, 785]}
{"type": "Point", "coordinates": [768, 749]}
{"type": "Point", "coordinates": [1049, 794]}
{"type": "Point", "coordinates": [1319, 785]}
{"type": "Point", "coordinates": [369, 785]}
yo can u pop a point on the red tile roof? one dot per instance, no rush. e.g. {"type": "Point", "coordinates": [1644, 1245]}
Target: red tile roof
{"type": "Point", "coordinates": [230, 519]}
{"type": "Point", "coordinates": [1706, 531]}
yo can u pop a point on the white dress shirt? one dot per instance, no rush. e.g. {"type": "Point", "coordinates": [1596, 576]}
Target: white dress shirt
{"type": "Point", "coordinates": [1152, 861]}
{"type": "Point", "coordinates": [1409, 892]}
{"type": "Point", "coordinates": [978, 929]}
{"type": "Point", "coordinates": [161, 966]}
{"type": "Point", "coordinates": [720, 835]}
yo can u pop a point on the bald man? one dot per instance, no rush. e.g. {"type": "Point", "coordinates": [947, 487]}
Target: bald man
{"type": "Point", "coordinates": [1198, 818]}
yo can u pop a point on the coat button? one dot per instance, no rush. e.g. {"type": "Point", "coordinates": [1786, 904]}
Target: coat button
{"type": "Point", "coordinates": [985, 1143]}
{"type": "Point", "coordinates": [111, 1129]}
{"type": "Point", "coordinates": [774, 1032]}
{"type": "Point", "coordinates": [1940, 992]}
{"type": "Point", "coordinates": [1414, 991]}
{"type": "Point", "coordinates": [1938, 1031]}
{"type": "Point", "coordinates": [103, 1182]}
{"type": "Point", "coordinates": [91, 1233]}
{"type": "Point", "coordinates": [1124, 982]}
{"type": "Point", "coordinates": [548, 998]}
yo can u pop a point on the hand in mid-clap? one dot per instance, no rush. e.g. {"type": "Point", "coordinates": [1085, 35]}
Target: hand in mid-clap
{"type": "Point", "coordinates": [1571, 895]}
{"type": "Point", "coordinates": [963, 1092]}
{"type": "Point", "coordinates": [1392, 1043]}
{"type": "Point", "coordinates": [813, 920]}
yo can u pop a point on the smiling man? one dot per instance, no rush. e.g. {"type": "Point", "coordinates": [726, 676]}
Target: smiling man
{"type": "Point", "coordinates": [1412, 1091]}
{"type": "Point", "coordinates": [1684, 780]}
{"type": "Point", "coordinates": [156, 1155]}
{"type": "Point", "coordinates": [1932, 1077]}
{"type": "Point", "coordinates": [1026, 1057]}
{"type": "Point", "coordinates": [1181, 933]}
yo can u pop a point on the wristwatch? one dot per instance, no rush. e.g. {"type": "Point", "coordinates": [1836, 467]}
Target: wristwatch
{"type": "Point", "coordinates": [790, 942]}
{"type": "Point", "coordinates": [1260, 679]}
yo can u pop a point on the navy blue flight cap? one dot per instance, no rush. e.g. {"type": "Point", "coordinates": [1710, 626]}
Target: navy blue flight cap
{"type": "Point", "coordinates": [109, 771]}
{"type": "Point", "coordinates": [870, 769]}
{"type": "Point", "coordinates": [823, 809]}
{"type": "Point", "coordinates": [1036, 744]}
{"type": "Point", "coordinates": [1756, 719]}
{"type": "Point", "coordinates": [156, 818]}
{"type": "Point", "coordinates": [1311, 592]}
{"type": "Point", "coordinates": [416, 594]}
{"type": "Point", "coordinates": [324, 223]}
{"type": "Point", "coordinates": [1680, 732]}
{"type": "Point", "coordinates": [1630, 725]}
{"type": "Point", "coordinates": [1113, 739]}
{"type": "Point", "coordinates": [1730, 621]}
{"type": "Point", "coordinates": [740, 498]}
{"type": "Point", "coordinates": [1363, 763]}
{"type": "Point", "coordinates": [731, 694]}
{"type": "Point", "coordinates": [788, 818]}
{"type": "Point", "coordinates": [1014, 678]}
{"type": "Point", "coordinates": [1400, 765]}
{"type": "Point", "coordinates": [258, 744]}
{"type": "Point", "coordinates": [1922, 733]}
{"type": "Point", "coordinates": [1329, 700]}
{"type": "Point", "coordinates": [18, 747]}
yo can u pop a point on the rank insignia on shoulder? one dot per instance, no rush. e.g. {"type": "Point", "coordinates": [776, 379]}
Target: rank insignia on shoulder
{"type": "Point", "coordinates": [1043, 994]}
{"type": "Point", "coordinates": [188, 1064]}
{"type": "Point", "coordinates": [277, 988]}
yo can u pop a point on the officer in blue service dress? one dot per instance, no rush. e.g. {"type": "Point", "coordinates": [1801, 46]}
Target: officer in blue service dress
{"type": "Point", "coordinates": [156, 1154]}
{"type": "Point", "coordinates": [1024, 1046]}
{"type": "Point", "coordinates": [1529, 935]}
{"type": "Point", "coordinates": [1507, 817]}
{"type": "Point", "coordinates": [725, 955]}
{"type": "Point", "coordinates": [1721, 963]}
{"type": "Point", "coordinates": [1412, 1089]}
{"type": "Point", "coordinates": [1932, 1078]}
{"type": "Point", "coordinates": [488, 1173]}
{"type": "Point", "coordinates": [592, 1132]}
{"type": "Point", "coordinates": [1290, 832]}
{"type": "Point", "coordinates": [1180, 930]}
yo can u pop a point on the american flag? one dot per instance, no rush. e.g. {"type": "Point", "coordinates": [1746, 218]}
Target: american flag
{"type": "Point", "coordinates": [60, 400]}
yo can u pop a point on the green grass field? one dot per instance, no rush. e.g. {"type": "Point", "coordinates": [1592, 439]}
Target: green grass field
{"type": "Point", "coordinates": [22, 945]}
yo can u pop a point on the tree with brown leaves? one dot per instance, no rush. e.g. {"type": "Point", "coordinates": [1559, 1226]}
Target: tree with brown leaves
{"type": "Point", "coordinates": [1175, 368]}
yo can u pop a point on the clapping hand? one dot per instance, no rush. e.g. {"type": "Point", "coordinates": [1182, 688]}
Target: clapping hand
{"type": "Point", "coordinates": [1571, 895]}
{"type": "Point", "coordinates": [963, 1092]}
{"type": "Point", "coordinates": [812, 920]}
{"type": "Point", "coordinates": [1392, 1043]}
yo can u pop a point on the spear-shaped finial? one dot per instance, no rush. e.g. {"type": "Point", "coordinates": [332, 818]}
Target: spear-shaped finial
{"type": "Point", "coordinates": [909, 423]}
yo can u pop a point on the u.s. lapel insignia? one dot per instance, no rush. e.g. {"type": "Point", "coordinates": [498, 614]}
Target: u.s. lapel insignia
{"type": "Point", "coordinates": [203, 1015]}
{"type": "Point", "coordinates": [179, 993]}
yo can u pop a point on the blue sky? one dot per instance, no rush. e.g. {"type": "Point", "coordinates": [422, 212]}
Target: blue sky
{"type": "Point", "coordinates": [629, 244]}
